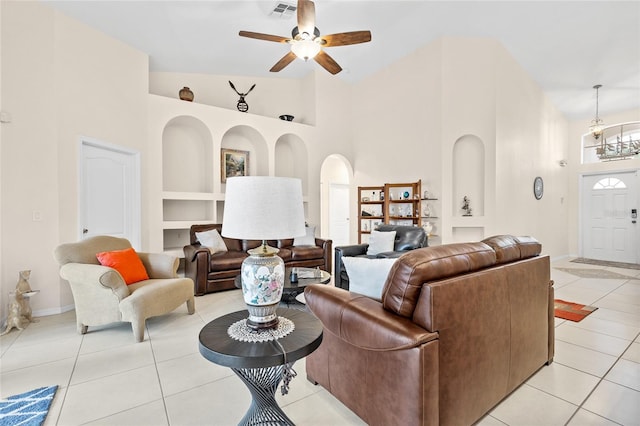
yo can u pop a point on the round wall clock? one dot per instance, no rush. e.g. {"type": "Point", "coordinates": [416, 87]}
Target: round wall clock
{"type": "Point", "coordinates": [538, 187]}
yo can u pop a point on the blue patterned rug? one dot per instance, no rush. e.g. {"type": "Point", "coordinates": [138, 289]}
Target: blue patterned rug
{"type": "Point", "coordinates": [27, 409]}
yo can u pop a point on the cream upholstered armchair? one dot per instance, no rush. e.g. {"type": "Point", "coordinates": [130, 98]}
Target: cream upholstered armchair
{"type": "Point", "coordinates": [101, 294]}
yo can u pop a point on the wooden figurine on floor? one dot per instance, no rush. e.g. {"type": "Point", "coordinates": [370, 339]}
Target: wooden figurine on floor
{"type": "Point", "coordinates": [20, 313]}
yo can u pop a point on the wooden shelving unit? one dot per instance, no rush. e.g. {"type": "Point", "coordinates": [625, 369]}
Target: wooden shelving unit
{"type": "Point", "coordinates": [402, 203]}
{"type": "Point", "coordinates": [370, 209]}
{"type": "Point", "coordinates": [393, 203]}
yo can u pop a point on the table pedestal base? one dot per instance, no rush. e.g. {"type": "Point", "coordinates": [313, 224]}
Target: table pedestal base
{"type": "Point", "coordinates": [263, 383]}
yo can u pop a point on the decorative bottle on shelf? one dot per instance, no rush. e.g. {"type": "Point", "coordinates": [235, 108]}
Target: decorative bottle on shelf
{"type": "Point", "coordinates": [428, 227]}
{"type": "Point", "coordinates": [186, 94]}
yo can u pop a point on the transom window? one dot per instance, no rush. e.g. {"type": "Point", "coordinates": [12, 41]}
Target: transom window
{"type": "Point", "coordinates": [609, 183]}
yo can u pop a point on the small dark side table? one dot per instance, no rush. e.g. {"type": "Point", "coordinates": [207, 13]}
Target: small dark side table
{"type": "Point", "coordinates": [260, 365]}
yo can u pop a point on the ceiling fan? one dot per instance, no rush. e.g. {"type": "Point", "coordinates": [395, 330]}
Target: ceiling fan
{"type": "Point", "coordinates": [306, 41]}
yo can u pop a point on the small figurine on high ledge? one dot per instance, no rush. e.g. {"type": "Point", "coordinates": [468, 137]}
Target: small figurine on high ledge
{"type": "Point", "coordinates": [466, 207]}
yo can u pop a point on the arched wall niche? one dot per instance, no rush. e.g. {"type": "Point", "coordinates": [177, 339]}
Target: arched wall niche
{"type": "Point", "coordinates": [187, 137]}
{"type": "Point", "coordinates": [468, 175]}
{"type": "Point", "coordinates": [291, 159]}
{"type": "Point", "coordinates": [246, 138]}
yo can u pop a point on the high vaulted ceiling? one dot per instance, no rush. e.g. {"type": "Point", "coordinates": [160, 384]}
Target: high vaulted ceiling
{"type": "Point", "coordinates": [566, 46]}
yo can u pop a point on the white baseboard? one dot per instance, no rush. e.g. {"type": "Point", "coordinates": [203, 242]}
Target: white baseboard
{"type": "Point", "coordinates": [44, 312]}
{"type": "Point", "coordinates": [53, 311]}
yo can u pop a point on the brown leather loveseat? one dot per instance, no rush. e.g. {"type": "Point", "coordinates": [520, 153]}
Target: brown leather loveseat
{"type": "Point", "coordinates": [216, 272]}
{"type": "Point", "coordinates": [459, 327]}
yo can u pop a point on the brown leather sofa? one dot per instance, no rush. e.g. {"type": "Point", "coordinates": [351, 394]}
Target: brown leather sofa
{"type": "Point", "coordinates": [459, 327]}
{"type": "Point", "coordinates": [216, 272]}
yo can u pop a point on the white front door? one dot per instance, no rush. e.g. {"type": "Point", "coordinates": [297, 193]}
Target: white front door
{"type": "Point", "coordinates": [109, 192]}
{"type": "Point", "coordinates": [339, 214]}
{"type": "Point", "coordinates": [609, 230]}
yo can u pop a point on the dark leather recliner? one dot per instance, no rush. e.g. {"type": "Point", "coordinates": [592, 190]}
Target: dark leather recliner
{"type": "Point", "coordinates": [407, 238]}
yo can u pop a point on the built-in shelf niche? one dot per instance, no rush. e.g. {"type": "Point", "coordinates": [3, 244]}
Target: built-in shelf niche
{"type": "Point", "coordinates": [468, 174]}
{"type": "Point", "coordinates": [291, 159]}
{"type": "Point", "coordinates": [186, 137]}
{"type": "Point", "coordinates": [247, 138]}
{"type": "Point", "coordinates": [219, 211]}
{"type": "Point", "coordinates": [463, 234]}
{"type": "Point", "coordinates": [187, 210]}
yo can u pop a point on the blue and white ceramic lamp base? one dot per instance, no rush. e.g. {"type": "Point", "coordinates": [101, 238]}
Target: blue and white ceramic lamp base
{"type": "Point", "coordinates": [262, 283]}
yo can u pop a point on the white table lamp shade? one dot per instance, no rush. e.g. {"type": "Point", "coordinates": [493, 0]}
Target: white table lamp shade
{"type": "Point", "coordinates": [263, 208]}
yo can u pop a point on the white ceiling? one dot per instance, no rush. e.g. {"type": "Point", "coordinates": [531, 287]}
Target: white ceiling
{"type": "Point", "coordinates": [566, 46]}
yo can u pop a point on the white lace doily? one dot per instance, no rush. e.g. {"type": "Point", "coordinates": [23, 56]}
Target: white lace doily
{"type": "Point", "coordinates": [239, 330]}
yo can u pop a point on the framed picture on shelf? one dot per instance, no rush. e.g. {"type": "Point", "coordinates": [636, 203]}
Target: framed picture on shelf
{"type": "Point", "coordinates": [233, 162]}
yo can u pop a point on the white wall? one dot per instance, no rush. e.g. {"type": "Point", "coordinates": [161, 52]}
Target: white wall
{"type": "Point", "coordinates": [61, 80]}
{"type": "Point", "coordinates": [531, 139]}
{"type": "Point", "coordinates": [411, 114]}
{"type": "Point", "coordinates": [397, 131]}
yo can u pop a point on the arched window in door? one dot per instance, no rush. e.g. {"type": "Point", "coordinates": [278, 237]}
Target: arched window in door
{"type": "Point", "coordinates": [609, 183]}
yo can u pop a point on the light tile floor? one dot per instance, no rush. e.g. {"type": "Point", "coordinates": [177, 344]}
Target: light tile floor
{"type": "Point", "coordinates": [107, 379]}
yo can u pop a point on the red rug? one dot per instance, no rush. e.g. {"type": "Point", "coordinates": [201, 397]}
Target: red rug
{"type": "Point", "coordinates": [572, 311]}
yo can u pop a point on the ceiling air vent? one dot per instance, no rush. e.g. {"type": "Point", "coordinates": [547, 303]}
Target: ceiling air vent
{"type": "Point", "coordinates": [283, 10]}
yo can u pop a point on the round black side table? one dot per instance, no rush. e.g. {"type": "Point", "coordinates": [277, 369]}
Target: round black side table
{"type": "Point", "coordinates": [260, 365]}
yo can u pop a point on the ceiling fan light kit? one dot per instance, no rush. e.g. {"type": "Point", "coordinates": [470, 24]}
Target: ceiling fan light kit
{"type": "Point", "coordinates": [305, 49]}
{"type": "Point", "coordinates": [306, 41]}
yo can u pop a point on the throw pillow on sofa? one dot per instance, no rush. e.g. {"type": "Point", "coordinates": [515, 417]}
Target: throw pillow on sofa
{"type": "Point", "coordinates": [212, 240]}
{"type": "Point", "coordinates": [367, 276]}
{"type": "Point", "coordinates": [126, 262]}
{"type": "Point", "coordinates": [309, 239]}
{"type": "Point", "coordinates": [381, 242]}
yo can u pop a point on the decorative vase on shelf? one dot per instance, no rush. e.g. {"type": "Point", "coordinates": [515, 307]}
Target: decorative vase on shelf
{"type": "Point", "coordinates": [186, 94]}
{"type": "Point", "coordinates": [428, 227]}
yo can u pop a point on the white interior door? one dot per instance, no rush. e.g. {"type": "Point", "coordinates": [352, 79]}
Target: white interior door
{"type": "Point", "coordinates": [109, 192]}
{"type": "Point", "coordinates": [339, 214]}
{"type": "Point", "coordinates": [609, 230]}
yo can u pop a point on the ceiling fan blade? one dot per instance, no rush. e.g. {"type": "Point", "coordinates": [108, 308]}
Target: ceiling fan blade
{"type": "Point", "coordinates": [306, 16]}
{"type": "Point", "coordinates": [267, 37]}
{"type": "Point", "coordinates": [343, 39]}
{"type": "Point", "coordinates": [327, 62]}
{"type": "Point", "coordinates": [286, 60]}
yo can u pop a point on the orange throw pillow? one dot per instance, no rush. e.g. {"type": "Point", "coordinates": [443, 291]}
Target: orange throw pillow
{"type": "Point", "coordinates": [126, 262]}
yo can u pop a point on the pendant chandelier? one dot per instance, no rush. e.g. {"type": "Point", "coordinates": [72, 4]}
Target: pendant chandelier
{"type": "Point", "coordinates": [596, 124]}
